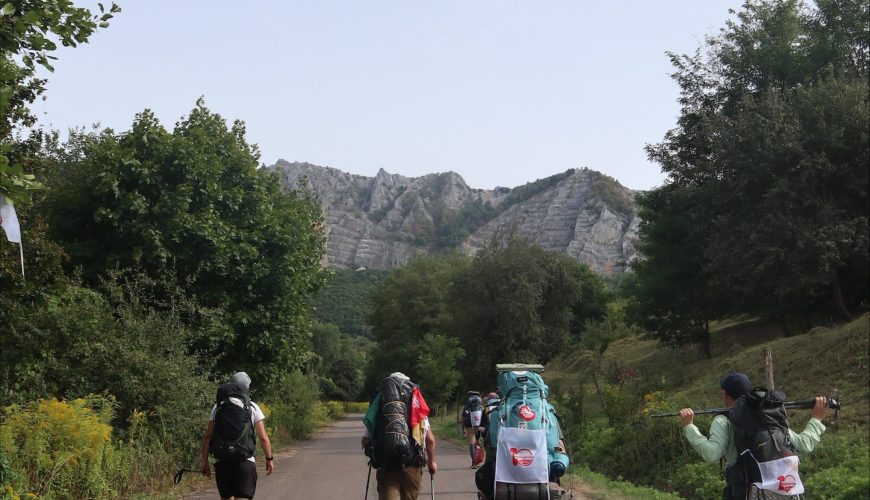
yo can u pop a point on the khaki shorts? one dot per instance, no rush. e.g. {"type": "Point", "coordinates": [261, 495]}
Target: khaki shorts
{"type": "Point", "coordinates": [399, 483]}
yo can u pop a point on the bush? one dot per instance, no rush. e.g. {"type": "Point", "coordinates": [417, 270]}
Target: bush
{"type": "Point", "coordinates": [55, 449]}
{"type": "Point", "coordinates": [296, 408]}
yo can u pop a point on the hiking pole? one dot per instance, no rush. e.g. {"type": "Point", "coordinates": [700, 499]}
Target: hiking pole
{"type": "Point", "coordinates": [432, 484]}
{"type": "Point", "coordinates": [180, 473]}
{"type": "Point", "coordinates": [833, 404]}
{"type": "Point", "coordinates": [368, 480]}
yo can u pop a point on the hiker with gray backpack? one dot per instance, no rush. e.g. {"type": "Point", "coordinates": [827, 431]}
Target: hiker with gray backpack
{"type": "Point", "coordinates": [759, 449]}
{"type": "Point", "coordinates": [234, 425]}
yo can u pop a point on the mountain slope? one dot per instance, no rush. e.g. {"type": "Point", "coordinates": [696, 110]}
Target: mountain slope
{"type": "Point", "coordinates": [381, 222]}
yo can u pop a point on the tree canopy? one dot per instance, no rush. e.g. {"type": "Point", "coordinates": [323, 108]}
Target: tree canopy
{"type": "Point", "coordinates": [764, 210]}
{"type": "Point", "coordinates": [190, 207]}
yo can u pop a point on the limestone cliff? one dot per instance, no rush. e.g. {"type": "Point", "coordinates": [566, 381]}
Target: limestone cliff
{"type": "Point", "coordinates": [381, 222]}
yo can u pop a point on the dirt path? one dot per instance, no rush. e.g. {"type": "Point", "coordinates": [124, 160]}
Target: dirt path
{"type": "Point", "coordinates": [331, 466]}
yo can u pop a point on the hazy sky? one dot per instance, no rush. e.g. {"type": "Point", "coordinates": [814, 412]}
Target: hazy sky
{"type": "Point", "coordinates": [501, 91]}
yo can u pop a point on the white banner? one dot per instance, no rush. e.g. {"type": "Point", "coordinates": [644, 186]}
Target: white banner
{"type": "Point", "coordinates": [521, 456]}
{"type": "Point", "coordinates": [781, 476]}
{"type": "Point", "coordinates": [9, 220]}
{"type": "Point", "coordinates": [475, 417]}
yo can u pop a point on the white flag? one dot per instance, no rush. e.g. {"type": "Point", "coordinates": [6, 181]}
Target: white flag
{"type": "Point", "coordinates": [9, 220]}
{"type": "Point", "coordinates": [521, 456]}
{"type": "Point", "coordinates": [781, 476]}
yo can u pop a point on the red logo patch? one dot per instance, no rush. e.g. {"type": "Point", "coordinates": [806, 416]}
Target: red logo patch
{"type": "Point", "coordinates": [526, 413]}
{"type": "Point", "coordinates": [786, 483]}
{"type": "Point", "coordinates": [522, 457]}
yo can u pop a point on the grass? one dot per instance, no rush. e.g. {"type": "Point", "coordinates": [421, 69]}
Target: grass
{"type": "Point", "coordinates": [820, 361]}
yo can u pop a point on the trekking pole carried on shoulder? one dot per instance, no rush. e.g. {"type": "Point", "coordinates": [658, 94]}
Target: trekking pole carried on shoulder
{"type": "Point", "coordinates": [833, 404]}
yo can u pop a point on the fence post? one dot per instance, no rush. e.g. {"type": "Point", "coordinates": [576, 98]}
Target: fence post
{"type": "Point", "coordinates": [768, 369]}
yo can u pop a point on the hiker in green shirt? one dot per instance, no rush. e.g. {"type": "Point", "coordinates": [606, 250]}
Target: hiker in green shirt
{"type": "Point", "coordinates": [721, 443]}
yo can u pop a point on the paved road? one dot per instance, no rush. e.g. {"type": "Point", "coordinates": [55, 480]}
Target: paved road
{"type": "Point", "coordinates": [331, 466]}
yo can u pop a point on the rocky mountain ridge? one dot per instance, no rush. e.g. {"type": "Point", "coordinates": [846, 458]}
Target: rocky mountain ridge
{"type": "Point", "coordinates": [381, 222]}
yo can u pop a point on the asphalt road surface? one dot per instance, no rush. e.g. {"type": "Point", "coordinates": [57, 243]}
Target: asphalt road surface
{"type": "Point", "coordinates": [331, 466]}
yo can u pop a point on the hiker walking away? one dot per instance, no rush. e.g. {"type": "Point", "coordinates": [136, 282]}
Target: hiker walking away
{"type": "Point", "coordinates": [742, 437]}
{"type": "Point", "coordinates": [229, 437]}
{"type": "Point", "coordinates": [471, 420]}
{"type": "Point", "coordinates": [398, 440]}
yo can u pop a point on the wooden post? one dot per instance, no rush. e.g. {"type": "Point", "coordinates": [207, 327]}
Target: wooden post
{"type": "Point", "coordinates": [768, 369]}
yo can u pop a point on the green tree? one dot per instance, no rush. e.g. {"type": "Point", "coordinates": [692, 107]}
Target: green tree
{"type": "Point", "coordinates": [438, 367]}
{"type": "Point", "coordinates": [515, 303]}
{"type": "Point", "coordinates": [190, 207]}
{"type": "Point", "coordinates": [772, 148]}
{"type": "Point", "coordinates": [29, 30]}
{"type": "Point", "coordinates": [412, 302]}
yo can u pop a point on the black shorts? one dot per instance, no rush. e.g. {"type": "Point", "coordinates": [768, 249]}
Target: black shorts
{"type": "Point", "coordinates": [236, 479]}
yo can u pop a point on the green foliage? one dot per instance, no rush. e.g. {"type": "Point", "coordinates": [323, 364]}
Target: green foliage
{"type": "Point", "coordinates": [438, 363]}
{"type": "Point", "coordinates": [526, 191]}
{"type": "Point", "coordinates": [73, 345]}
{"type": "Point", "coordinates": [608, 432]}
{"type": "Point", "coordinates": [341, 357]}
{"type": "Point", "coordinates": [518, 304]}
{"type": "Point", "coordinates": [296, 408]}
{"type": "Point", "coordinates": [608, 190]}
{"type": "Point", "coordinates": [29, 30]}
{"type": "Point", "coordinates": [472, 215]}
{"type": "Point", "coordinates": [345, 300]}
{"type": "Point", "coordinates": [410, 303]}
{"type": "Point", "coordinates": [55, 448]}
{"type": "Point", "coordinates": [765, 208]}
{"type": "Point", "coordinates": [192, 204]}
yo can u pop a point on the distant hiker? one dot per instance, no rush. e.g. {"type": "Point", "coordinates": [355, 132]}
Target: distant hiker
{"type": "Point", "coordinates": [230, 438]}
{"type": "Point", "coordinates": [398, 440]}
{"type": "Point", "coordinates": [471, 418]}
{"type": "Point", "coordinates": [755, 441]}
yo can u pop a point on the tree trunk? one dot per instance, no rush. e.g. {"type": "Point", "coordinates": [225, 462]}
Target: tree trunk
{"type": "Point", "coordinates": [839, 303]}
{"type": "Point", "coordinates": [705, 340]}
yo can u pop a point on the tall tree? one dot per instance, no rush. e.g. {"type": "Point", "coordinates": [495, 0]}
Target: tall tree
{"type": "Point", "coordinates": [411, 303]}
{"type": "Point", "coordinates": [29, 30]}
{"type": "Point", "coordinates": [772, 143]}
{"type": "Point", "coordinates": [515, 303]}
{"type": "Point", "coordinates": [191, 206]}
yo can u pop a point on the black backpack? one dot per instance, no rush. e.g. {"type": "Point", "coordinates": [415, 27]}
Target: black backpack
{"type": "Point", "coordinates": [760, 431]}
{"type": "Point", "coordinates": [233, 436]}
{"type": "Point", "coordinates": [392, 443]}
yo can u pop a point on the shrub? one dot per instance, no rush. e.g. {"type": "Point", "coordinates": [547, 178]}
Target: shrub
{"type": "Point", "coordinates": [55, 448]}
{"type": "Point", "coordinates": [296, 407]}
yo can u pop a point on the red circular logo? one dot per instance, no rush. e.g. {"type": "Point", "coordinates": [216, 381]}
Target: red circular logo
{"type": "Point", "coordinates": [522, 457]}
{"type": "Point", "coordinates": [526, 413]}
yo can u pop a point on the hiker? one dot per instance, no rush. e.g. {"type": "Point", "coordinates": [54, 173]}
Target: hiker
{"type": "Point", "coordinates": [398, 439]}
{"type": "Point", "coordinates": [722, 443]}
{"type": "Point", "coordinates": [233, 421]}
{"type": "Point", "coordinates": [471, 420]}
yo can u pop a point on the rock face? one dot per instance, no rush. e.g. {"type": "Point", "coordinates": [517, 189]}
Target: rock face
{"type": "Point", "coordinates": [381, 222]}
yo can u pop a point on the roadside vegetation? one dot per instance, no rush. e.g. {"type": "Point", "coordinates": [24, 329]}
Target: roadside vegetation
{"type": "Point", "coordinates": [160, 260]}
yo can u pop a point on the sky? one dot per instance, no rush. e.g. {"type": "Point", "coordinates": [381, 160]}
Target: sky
{"type": "Point", "coordinates": [502, 92]}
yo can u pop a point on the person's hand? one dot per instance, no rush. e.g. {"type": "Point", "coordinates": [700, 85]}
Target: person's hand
{"type": "Point", "coordinates": [270, 466]}
{"type": "Point", "coordinates": [687, 416]}
{"type": "Point", "coordinates": [821, 407]}
{"type": "Point", "coordinates": [433, 467]}
{"type": "Point", "coordinates": [205, 469]}
{"type": "Point", "coordinates": [364, 441]}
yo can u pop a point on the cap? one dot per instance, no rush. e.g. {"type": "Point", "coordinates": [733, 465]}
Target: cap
{"type": "Point", "coordinates": [735, 384]}
{"type": "Point", "coordinates": [242, 379]}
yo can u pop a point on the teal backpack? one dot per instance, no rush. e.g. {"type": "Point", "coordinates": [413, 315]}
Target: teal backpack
{"type": "Point", "coordinates": [524, 405]}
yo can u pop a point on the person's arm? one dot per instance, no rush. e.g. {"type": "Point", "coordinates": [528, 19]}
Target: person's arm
{"type": "Point", "coordinates": [807, 440]}
{"type": "Point", "coordinates": [203, 458]}
{"type": "Point", "coordinates": [710, 449]}
{"type": "Point", "coordinates": [430, 452]}
{"type": "Point", "coordinates": [267, 446]}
